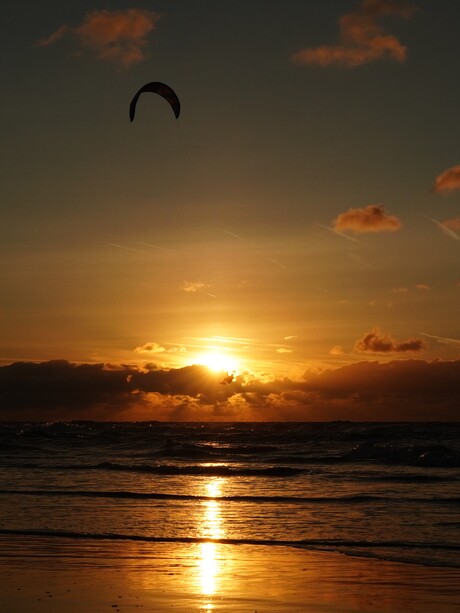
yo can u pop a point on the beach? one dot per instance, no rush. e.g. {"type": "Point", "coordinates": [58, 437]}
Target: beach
{"type": "Point", "coordinates": [39, 574]}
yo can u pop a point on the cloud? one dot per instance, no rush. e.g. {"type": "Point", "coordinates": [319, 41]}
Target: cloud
{"type": "Point", "coordinates": [423, 286]}
{"type": "Point", "coordinates": [336, 350]}
{"type": "Point", "coordinates": [398, 390]}
{"type": "Point", "coordinates": [283, 350]}
{"type": "Point", "coordinates": [372, 218]}
{"type": "Point", "coordinates": [55, 36]}
{"type": "Point", "coordinates": [399, 290]}
{"type": "Point", "coordinates": [150, 348]}
{"type": "Point", "coordinates": [193, 286]}
{"type": "Point", "coordinates": [361, 38]}
{"type": "Point", "coordinates": [448, 181]}
{"type": "Point", "coordinates": [120, 36]}
{"type": "Point", "coordinates": [377, 342]}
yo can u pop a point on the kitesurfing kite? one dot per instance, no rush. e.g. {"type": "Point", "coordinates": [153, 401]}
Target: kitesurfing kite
{"type": "Point", "coordinates": [156, 88]}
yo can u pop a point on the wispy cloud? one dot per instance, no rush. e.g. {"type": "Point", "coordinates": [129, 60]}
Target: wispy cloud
{"type": "Point", "coordinates": [120, 36]}
{"type": "Point", "coordinates": [336, 350]}
{"type": "Point", "coordinates": [361, 38]}
{"type": "Point", "coordinates": [192, 287]}
{"type": "Point", "coordinates": [378, 342]}
{"type": "Point", "coordinates": [372, 218]}
{"type": "Point", "coordinates": [423, 286]}
{"type": "Point", "coordinates": [448, 181]}
{"type": "Point", "coordinates": [150, 348]}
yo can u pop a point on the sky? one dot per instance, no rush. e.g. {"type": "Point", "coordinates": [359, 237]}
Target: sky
{"type": "Point", "coordinates": [297, 228]}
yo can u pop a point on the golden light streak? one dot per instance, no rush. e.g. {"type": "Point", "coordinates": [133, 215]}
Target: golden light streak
{"type": "Point", "coordinates": [209, 564]}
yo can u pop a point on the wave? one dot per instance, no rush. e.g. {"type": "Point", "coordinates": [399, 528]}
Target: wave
{"type": "Point", "coordinates": [349, 547]}
{"type": "Point", "coordinates": [420, 457]}
{"type": "Point", "coordinates": [352, 499]}
{"type": "Point", "coordinates": [403, 478]}
{"type": "Point", "coordinates": [425, 455]}
{"type": "Point", "coordinates": [217, 470]}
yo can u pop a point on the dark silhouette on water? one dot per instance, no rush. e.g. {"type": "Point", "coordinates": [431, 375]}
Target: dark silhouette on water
{"type": "Point", "coordinates": [163, 90]}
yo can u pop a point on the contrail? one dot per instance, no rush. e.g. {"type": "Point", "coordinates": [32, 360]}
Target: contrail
{"type": "Point", "coordinates": [275, 262]}
{"type": "Point", "coordinates": [241, 238]}
{"type": "Point", "coordinates": [157, 247]}
{"type": "Point", "coordinates": [342, 234]}
{"type": "Point", "coordinates": [442, 339]}
{"type": "Point", "coordinates": [128, 248]}
{"type": "Point", "coordinates": [447, 231]}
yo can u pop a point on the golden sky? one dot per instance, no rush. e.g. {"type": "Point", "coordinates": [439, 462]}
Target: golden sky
{"type": "Point", "coordinates": [298, 222]}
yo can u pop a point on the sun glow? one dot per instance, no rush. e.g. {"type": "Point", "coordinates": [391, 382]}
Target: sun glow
{"type": "Point", "coordinates": [218, 362]}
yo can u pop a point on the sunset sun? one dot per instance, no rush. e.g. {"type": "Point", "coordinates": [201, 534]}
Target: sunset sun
{"type": "Point", "coordinates": [218, 361]}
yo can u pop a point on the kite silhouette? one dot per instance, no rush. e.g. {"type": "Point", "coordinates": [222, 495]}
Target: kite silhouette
{"type": "Point", "coordinates": [163, 90]}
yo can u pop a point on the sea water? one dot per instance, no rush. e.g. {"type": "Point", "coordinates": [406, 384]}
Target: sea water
{"type": "Point", "coordinates": [388, 491]}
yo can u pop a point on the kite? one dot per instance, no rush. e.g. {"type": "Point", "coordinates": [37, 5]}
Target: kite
{"type": "Point", "coordinates": [156, 88]}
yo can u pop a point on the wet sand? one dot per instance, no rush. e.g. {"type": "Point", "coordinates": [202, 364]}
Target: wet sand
{"type": "Point", "coordinates": [39, 574]}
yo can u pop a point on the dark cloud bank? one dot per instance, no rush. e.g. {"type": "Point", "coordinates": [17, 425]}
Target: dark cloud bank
{"type": "Point", "coordinates": [366, 391]}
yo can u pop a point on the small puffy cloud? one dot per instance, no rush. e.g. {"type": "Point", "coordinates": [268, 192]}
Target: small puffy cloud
{"type": "Point", "coordinates": [423, 286]}
{"type": "Point", "coordinates": [193, 286]}
{"type": "Point", "coordinates": [336, 350]}
{"type": "Point", "coordinates": [177, 349]}
{"type": "Point", "coordinates": [372, 218]}
{"type": "Point", "coordinates": [150, 348]}
{"type": "Point", "coordinates": [399, 290]}
{"type": "Point", "coordinates": [448, 181]}
{"type": "Point", "coordinates": [452, 224]}
{"type": "Point", "coordinates": [377, 342]}
{"type": "Point", "coordinates": [120, 36]}
{"type": "Point", "coordinates": [361, 37]}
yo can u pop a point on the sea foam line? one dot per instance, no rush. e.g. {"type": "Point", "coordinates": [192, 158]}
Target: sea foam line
{"type": "Point", "coordinates": [115, 536]}
{"type": "Point", "coordinates": [351, 499]}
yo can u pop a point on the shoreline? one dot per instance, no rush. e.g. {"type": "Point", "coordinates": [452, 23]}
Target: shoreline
{"type": "Point", "coordinates": [39, 574]}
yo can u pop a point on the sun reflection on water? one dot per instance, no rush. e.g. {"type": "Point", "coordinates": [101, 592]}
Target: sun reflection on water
{"type": "Point", "coordinates": [209, 563]}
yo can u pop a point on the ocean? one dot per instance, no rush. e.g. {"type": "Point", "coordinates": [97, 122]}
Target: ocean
{"type": "Point", "coordinates": [386, 491]}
